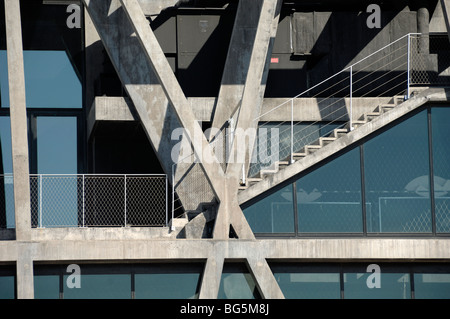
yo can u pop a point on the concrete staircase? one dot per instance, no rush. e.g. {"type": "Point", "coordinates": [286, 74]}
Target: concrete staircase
{"type": "Point", "coordinates": [322, 142]}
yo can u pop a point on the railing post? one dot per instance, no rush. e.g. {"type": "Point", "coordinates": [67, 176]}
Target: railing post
{"type": "Point", "coordinates": [409, 66]}
{"type": "Point", "coordinates": [125, 201]}
{"type": "Point", "coordinates": [172, 227]}
{"type": "Point", "coordinates": [167, 199]}
{"type": "Point", "coordinates": [84, 201]}
{"type": "Point", "coordinates": [351, 98]}
{"type": "Point", "coordinates": [292, 131]}
{"type": "Point", "coordinates": [40, 200]}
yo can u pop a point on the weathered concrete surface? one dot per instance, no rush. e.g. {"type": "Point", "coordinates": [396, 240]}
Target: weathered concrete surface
{"type": "Point", "coordinates": [215, 252]}
{"type": "Point", "coordinates": [312, 249]}
{"type": "Point", "coordinates": [19, 129]}
{"type": "Point", "coordinates": [107, 108]}
{"type": "Point", "coordinates": [148, 97]}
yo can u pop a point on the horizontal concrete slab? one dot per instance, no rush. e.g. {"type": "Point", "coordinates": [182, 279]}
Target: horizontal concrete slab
{"type": "Point", "coordinates": [350, 249]}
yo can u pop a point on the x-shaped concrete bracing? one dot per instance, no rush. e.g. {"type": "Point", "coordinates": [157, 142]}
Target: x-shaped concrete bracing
{"type": "Point", "coordinates": [145, 71]}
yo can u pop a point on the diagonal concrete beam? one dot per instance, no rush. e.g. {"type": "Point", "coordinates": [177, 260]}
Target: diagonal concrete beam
{"type": "Point", "coordinates": [149, 99]}
{"type": "Point", "coordinates": [253, 93]}
{"type": "Point", "coordinates": [250, 108]}
{"type": "Point", "coordinates": [264, 278]}
{"type": "Point", "coordinates": [174, 93]}
{"type": "Point", "coordinates": [238, 59]}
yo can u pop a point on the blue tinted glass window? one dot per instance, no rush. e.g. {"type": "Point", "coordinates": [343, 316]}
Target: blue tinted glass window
{"type": "Point", "coordinates": [46, 287]}
{"type": "Point", "coordinates": [6, 178]}
{"type": "Point", "coordinates": [329, 198]}
{"type": "Point", "coordinates": [441, 166]}
{"type": "Point", "coordinates": [366, 285]}
{"type": "Point", "coordinates": [167, 285]}
{"type": "Point", "coordinates": [432, 286]}
{"type": "Point", "coordinates": [107, 286]}
{"type": "Point", "coordinates": [237, 283]}
{"type": "Point", "coordinates": [57, 145]}
{"type": "Point", "coordinates": [304, 282]}
{"type": "Point", "coordinates": [397, 178]}
{"type": "Point", "coordinates": [4, 87]}
{"type": "Point", "coordinates": [50, 80]}
{"type": "Point", "coordinates": [273, 214]}
{"type": "Point", "coordinates": [7, 287]}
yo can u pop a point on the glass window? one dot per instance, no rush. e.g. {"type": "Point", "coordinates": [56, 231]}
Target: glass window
{"type": "Point", "coordinates": [432, 286]}
{"type": "Point", "coordinates": [6, 178]}
{"type": "Point", "coordinates": [329, 198]}
{"type": "Point", "coordinates": [273, 214]}
{"type": "Point", "coordinates": [4, 87]}
{"type": "Point", "coordinates": [46, 287]}
{"type": "Point", "coordinates": [397, 178]}
{"type": "Point", "coordinates": [50, 80]}
{"type": "Point", "coordinates": [100, 286]}
{"type": "Point", "coordinates": [308, 282]}
{"type": "Point", "coordinates": [7, 287]}
{"type": "Point", "coordinates": [237, 283]}
{"type": "Point", "coordinates": [168, 282]}
{"type": "Point", "coordinates": [364, 283]}
{"type": "Point", "coordinates": [52, 56]}
{"type": "Point", "coordinates": [441, 166]}
{"type": "Point", "coordinates": [57, 145]}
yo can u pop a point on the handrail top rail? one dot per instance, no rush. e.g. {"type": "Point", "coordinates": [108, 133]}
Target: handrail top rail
{"type": "Point", "coordinates": [337, 73]}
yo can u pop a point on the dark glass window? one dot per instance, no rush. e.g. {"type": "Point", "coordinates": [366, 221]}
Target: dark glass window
{"type": "Point", "coordinates": [308, 281]}
{"type": "Point", "coordinates": [329, 198]}
{"type": "Point", "coordinates": [397, 178]}
{"type": "Point", "coordinates": [441, 167]}
{"type": "Point", "coordinates": [100, 286]}
{"type": "Point", "coordinates": [6, 179]}
{"type": "Point", "coordinates": [7, 282]}
{"type": "Point", "coordinates": [167, 281]}
{"type": "Point", "coordinates": [46, 287]}
{"type": "Point", "coordinates": [237, 283]}
{"type": "Point", "coordinates": [4, 87]}
{"type": "Point", "coordinates": [118, 281]}
{"type": "Point", "coordinates": [52, 56]}
{"type": "Point", "coordinates": [432, 286]}
{"type": "Point", "coordinates": [273, 214]}
{"type": "Point", "coordinates": [363, 283]}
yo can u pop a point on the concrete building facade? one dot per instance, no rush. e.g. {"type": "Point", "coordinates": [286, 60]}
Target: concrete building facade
{"type": "Point", "coordinates": [224, 149]}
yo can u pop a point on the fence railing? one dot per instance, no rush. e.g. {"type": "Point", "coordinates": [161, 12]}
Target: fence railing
{"type": "Point", "coordinates": [98, 200]}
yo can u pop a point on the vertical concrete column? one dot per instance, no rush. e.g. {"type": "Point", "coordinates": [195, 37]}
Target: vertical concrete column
{"type": "Point", "coordinates": [19, 137]}
{"type": "Point", "coordinates": [24, 269]}
{"type": "Point", "coordinates": [423, 27]}
{"type": "Point", "coordinates": [445, 4]}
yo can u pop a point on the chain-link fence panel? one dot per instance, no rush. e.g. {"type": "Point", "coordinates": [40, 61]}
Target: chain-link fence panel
{"type": "Point", "coordinates": [430, 60]}
{"type": "Point", "coordinates": [98, 200]}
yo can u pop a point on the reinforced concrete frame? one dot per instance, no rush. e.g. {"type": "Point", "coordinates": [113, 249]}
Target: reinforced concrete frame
{"type": "Point", "coordinates": [161, 107]}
